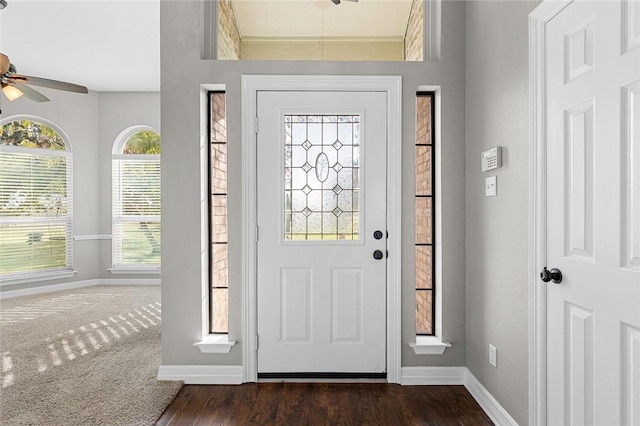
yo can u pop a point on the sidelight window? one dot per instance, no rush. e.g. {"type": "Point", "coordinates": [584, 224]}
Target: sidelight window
{"type": "Point", "coordinates": [424, 214]}
{"type": "Point", "coordinates": [218, 237]}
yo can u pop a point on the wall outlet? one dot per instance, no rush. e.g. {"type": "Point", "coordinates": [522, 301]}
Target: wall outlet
{"type": "Point", "coordinates": [493, 355]}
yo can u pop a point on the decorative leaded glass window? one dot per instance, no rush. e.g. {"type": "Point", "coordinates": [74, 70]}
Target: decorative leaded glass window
{"type": "Point", "coordinates": [321, 177]}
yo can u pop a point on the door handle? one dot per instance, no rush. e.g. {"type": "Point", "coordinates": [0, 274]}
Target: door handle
{"type": "Point", "coordinates": [554, 275]}
{"type": "Point", "coordinates": [377, 255]}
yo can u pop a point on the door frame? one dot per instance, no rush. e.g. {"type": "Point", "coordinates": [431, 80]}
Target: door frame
{"type": "Point", "coordinates": [538, 20]}
{"type": "Point", "coordinates": [251, 84]}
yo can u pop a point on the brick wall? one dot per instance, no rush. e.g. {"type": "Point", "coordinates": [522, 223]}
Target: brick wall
{"type": "Point", "coordinates": [228, 33]}
{"type": "Point", "coordinates": [413, 42]}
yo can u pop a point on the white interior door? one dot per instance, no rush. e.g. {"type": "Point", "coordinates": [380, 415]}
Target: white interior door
{"type": "Point", "coordinates": [593, 213]}
{"type": "Point", "coordinates": [321, 196]}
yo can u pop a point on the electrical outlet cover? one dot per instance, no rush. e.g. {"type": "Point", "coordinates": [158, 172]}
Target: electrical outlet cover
{"type": "Point", "coordinates": [493, 355]}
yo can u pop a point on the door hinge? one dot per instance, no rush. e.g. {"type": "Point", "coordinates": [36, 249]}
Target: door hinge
{"type": "Point", "coordinates": [257, 342]}
{"type": "Point", "coordinates": [257, 234]}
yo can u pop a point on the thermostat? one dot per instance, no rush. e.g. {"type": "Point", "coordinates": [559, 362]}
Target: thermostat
{"type": "Point", "coordinates": [492, 159]}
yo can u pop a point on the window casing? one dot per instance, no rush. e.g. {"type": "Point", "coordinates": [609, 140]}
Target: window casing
{"type": "Point", "coordinates": [218, 237]}
{"type": "Point", "coordinates": [425, 214]}
{"type": "Point", "coordinates": [136, 205]}
{"type": "Point", "coordinates": [36, 202]}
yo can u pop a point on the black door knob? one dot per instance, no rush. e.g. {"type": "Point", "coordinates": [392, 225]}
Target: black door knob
{"type": "Point", "coordinates": [554, 275]}
{"type": "Point", "coordinates": [378, 235]}
{"type": "Point", "coordinates": [377, 255]}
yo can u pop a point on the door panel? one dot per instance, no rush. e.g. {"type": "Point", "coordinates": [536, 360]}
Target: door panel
{"type": "Point", "coordinates": [321, 195]}
{"type": "Point", "coordinates": [592, 183]}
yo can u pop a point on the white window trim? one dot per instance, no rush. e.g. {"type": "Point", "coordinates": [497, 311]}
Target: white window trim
{"type": "Point", "coordinates": [135, 270]}
{"type": "Point", "coordinates": [434, 345]}
{"type": "Point", "coordinates": [392, 85]}
{"type": "Point", "coordinates": [215, 344]}
{"type": "Point", "coordinates": [208, 343]}
{"type": "Point", "coordinates": [51, 274]}
{"type": "Point", "coordinates": [117, 155]}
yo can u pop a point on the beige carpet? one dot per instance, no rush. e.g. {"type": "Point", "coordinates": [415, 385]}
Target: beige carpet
{"type": "Point", "coordinates": [82, 357]}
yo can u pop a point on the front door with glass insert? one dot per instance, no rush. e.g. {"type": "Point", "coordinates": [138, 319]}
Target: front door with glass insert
{"type": "Point", "coordinates": [321, 264]}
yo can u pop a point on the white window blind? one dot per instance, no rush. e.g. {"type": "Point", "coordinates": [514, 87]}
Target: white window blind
{"type": "Point", "coordinates": [136, 210]}
{"type": "Point", "coordinates": [35, 212]}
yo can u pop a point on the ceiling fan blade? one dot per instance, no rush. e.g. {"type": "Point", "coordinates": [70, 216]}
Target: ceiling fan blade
{"type": "Point", "coordinates": [4, 63]}
{"type": "Point", "coordinates": [51, 84]}
{"type": "Point", "coordinates": [30, 93]}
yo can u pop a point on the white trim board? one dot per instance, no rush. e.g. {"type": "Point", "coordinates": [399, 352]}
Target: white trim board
{"type": "Point", "coordinates": [202, 374]}
{"type": "Point", "coordinates": [392, 85]}
{"type": "Point", "coordinates": [538, 20]}
{"type": "Point", "coordinates": [487, 402]}
{"type": "Point", "coordinates": [425, 376]}
{"type": "Point", "coordinates": [74, 285]}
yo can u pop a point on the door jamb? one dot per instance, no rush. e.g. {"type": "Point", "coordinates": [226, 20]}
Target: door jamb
{"type": "Point", "coordinates": [538, 20]}
{"type": "Point", "coordinates": [392, 85]}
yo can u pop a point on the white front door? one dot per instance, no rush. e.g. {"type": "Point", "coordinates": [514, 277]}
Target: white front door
{"type": "Point", "coordinates": [321, 198]}
{"type": "Point", "coordinates": [593, 213]}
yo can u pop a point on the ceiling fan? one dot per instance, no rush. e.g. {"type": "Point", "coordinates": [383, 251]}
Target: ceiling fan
{"type": "Point", "coordinates": [15, 85]}
{"type": "Point", "coordinates": [337, 2]}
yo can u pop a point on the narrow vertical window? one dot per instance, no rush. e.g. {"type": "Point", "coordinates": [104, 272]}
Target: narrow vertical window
{"type": "Point", "coordinates": [218, 265]}
{"type": "Point", "coordinates": [424, 214]}
{"type": "Point", "coordinates": [136, 200]}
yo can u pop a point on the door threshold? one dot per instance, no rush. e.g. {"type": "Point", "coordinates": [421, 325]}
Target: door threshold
{"type": "Point", "coordinates": [322, 377]}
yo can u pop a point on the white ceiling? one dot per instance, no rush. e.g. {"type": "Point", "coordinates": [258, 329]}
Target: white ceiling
{"type": "Point", "coordinates": [115, 45]}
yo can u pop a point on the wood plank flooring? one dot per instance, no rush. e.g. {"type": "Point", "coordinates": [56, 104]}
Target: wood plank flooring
{"type": "Point", "coordinates": [323, 404]}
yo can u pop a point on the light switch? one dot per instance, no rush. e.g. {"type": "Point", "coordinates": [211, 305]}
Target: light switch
{"type": "Point", "coordinates": [491, 186]}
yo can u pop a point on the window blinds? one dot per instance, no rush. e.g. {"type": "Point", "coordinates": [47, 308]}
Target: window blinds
{"type": "Point", "coordinates": [35, 212]}
{"type": "Point", "coordinates": [136, 210]}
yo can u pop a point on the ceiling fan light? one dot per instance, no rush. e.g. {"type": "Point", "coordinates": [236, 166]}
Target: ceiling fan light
{"type": "Point", "coordinates": [11, 92]}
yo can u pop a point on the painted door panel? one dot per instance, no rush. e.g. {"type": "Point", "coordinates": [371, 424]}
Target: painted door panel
{"type": "Point", "coordinates": [593, 215]}
{"type": "Point", "coordinates": [321, 195]}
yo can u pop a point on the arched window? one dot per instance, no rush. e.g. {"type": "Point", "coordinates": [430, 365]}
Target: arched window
{"type": "Point", "coordinates": [36, 239]}
{"type": "Point", "coordinates": [136, 200]}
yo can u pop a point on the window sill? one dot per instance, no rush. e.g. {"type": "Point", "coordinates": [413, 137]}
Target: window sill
{"type": "Point", "coordinates": [135, 270]}
{"type": "Point", "coordinates": [44, 276]}
{"type": "Point", "coordinates": [429, 345]}
{"type": "Point", "coordinates": [215, 344]}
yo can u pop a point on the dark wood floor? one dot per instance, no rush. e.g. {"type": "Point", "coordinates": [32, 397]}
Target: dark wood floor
{"type": "Point", "coordinates": [323, 404]}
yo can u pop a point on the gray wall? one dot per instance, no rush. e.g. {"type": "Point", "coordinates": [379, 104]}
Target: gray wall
{"type": "Point", "coordinates": [496, 231]}
{"type": "Point", "coordinates": [91, 122]}
{"type": "Point", "coordinates": [182, 73]}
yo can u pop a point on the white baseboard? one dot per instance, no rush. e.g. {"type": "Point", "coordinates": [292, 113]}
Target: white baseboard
{"type": "Point", "coordinates": [487, 402]}
{"type": "Point", "coordinates": [129, 281]}
{"type": "Point", "coordinates": [433, 375]}
{"type": "Point", "coordinates": [47, 289]}
{"type": "Point", "coordinates": [76, 284]}
{"type": "Point", "coordinates": [202, 374]}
